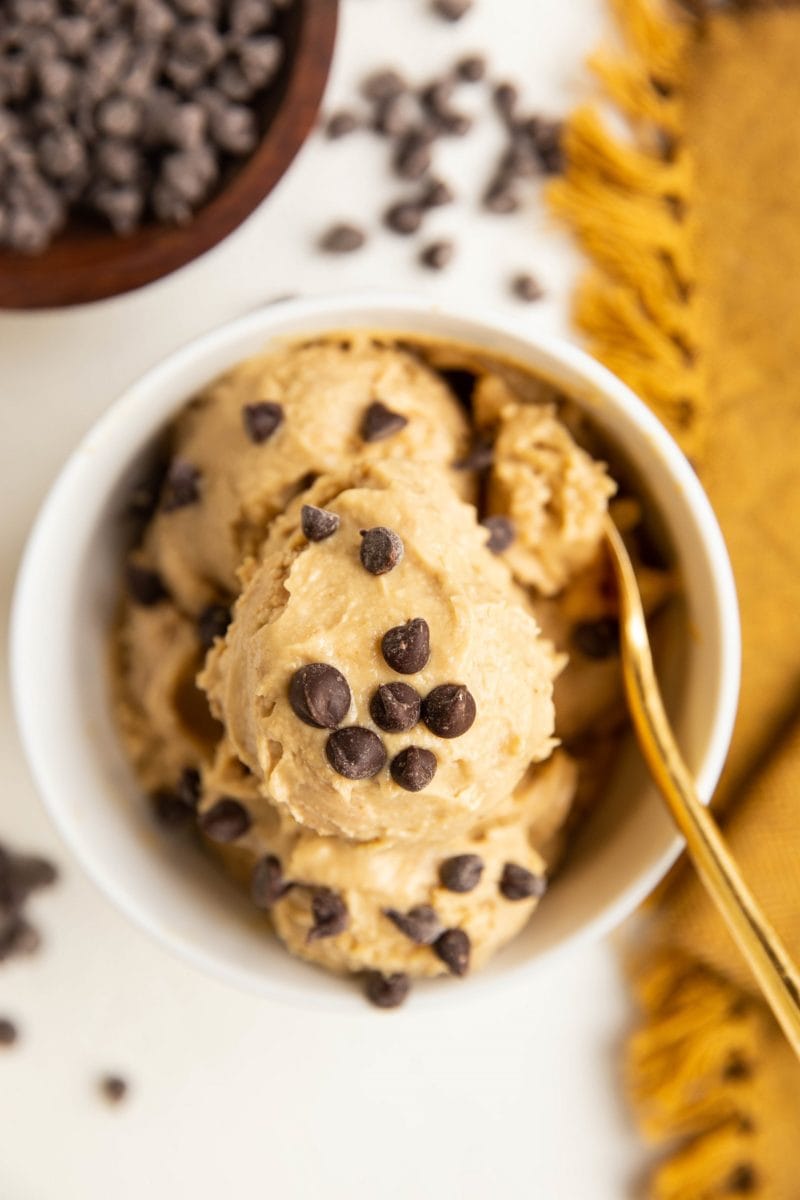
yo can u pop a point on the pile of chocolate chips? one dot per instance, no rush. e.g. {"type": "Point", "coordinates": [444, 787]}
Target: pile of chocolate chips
{"type": "Point", "coordinates": [128, 110]}
{"type": "Point", "coordinates": [20, 875]}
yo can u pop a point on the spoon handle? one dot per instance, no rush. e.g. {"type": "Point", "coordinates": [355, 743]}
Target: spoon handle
{"type": "Point", "coordinates": [758, 941]}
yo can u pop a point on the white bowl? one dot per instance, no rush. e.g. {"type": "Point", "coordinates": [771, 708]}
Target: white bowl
{"type": "Point", "coordinates": [67, 589]}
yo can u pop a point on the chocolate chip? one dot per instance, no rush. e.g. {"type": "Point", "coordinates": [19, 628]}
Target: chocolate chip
{"type": "Point", "coordinates": [461, 873]}
{"type": "Point", "coordinates": [461, 383]}
{"type": "Point", "coordinates": [170, 811]}
{"type": "Point", "coordinates": [549, 146]}
{"type": "Point", "coordinates": [188, 789]}
{"type": "Point", "coordinates": [320, 695]}
{"type": "Point", "coordinates": [267, 884]}
{"type": "Point", "coordinates": [451, 10]}
{"type": "Point", "coordinates": [317, 523]}
{"type": "Point", "coordinates": [340, 124]}
{"type": "Point", "coordinates": [518, 883]}
{"type": "Point", "coordinates": [381, 550]}
{"type": "Point", "coordinates": [471, 68]}
{"type": "Point", "coordinates": [407, 648]}
{"type": "Point", "coordinates": [597, 639]}
{"type": "Point", "coordinates": [742, 1181]}
{"type": "Point", "coordinates": [114, 1088]}
{"type": "Point", "coordinates": [437, 193]}
{"type": "Point", "coordinates": [526, 287]}
{"type": "Point", "coordinates": [8, 1032]}
{"type": "Point", "coordinates": [225, 821]}
{"type": "Point", "coordinates": [355, 752]}
{"type": "Point", "coordinates": [386, 991]}
{"type": "Point", "coordinates": [480, 457]}
{"type": "Point", "coordinates": [421, 924]}
{"type": "Point", "coordinates": [449, 710]}
{"type": "Point", "coordinates": [342, 238]}
{"type": "Point", "coordinates": [329, 912]}
{"type": "Point", "coordinates": [506, 98]}
{"type": "Point", "coordinates": [144, 587]}
{"type": "Point", "coordinates": [412, 158]}
{"type": "Point", "coordinates": [395, 116]}
{"type": "Point", "coordinates": [381, 422]}
{"type": "Point", "coordinates": [437, 255]}
{"type": "Point", "coordinates": [501, 198]}
{"type": "Point", "coordinates": [181, 486]}
{"type": "Point", "coordinates": [18, 937]}
{"type": "Point", "coordinates": [395, 707]}
{"type": "Point", "coordinates": [212, 624]}
{"type": "Point", "coordinates": [404, 217]}
{"type": "Point", "coordinates": [413, 768]}
{"type": "Point", "coordinates": [501, 533]}
{"type": "Point", "coordinates": [453, 949]}
{"type": "Point", "coordinates": [379, 85]}
{"type": "Point", "coordinates": [262, 419]}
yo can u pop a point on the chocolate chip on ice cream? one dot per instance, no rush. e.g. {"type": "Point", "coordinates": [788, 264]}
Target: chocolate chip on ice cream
{"type": "Point", "coordinates": [461, 873]}
{"type": "Point", "coordinates": [381, 422]}
{"type": "Point", "coordinates": [421, 924]}
{"type": "Point", "coordinates": [413, 768]}
{"type": "Point", "coordinates": [395, 707]}
{"type": "Point", "coordinates": [381, 550]}
{"type": "Point", "coordinates": [501, 533]}
{"type": "Point", "coordinates": [145, 587]}
{"type": "Point", "coordinates": [449, 710]}
{"type": "Point", "coordinates": [212, 624]}
{"type": "Point", "coordinates": [267, 884]}
{"type": "Point", "coordinates": [181, 486]}
{"type": "Point", "coordinates": [453, 948]}
{"type": "Point", "coordinates": [317, 524]}
{"type": "Point", "coordinates": [518, 883]}
{"type": "Point", "coordinates": [330, 914]}
{"type": "Point", "coordinates": [597, 639]}
{"type": "Point", "coordinates": [262, 419]}
{"type": "Point", "coordinates": [355, 752]}
{"type": "Point", "coordinates": [225, 821]}
{"type": "Point", "coordinates": [320, 695]}
{"type": "Point", "coordinates": [407, 648]}
{"type": "Point", "coordinates": [386, 991]}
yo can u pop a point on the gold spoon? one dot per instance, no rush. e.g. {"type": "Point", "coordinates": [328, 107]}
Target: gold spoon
{"type": "Point", "coordinates": [769, 961]}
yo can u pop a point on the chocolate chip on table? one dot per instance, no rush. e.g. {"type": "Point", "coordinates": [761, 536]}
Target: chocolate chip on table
{"type": "Point", "coordinates": [437, 255]}
{"type": "Point", "coordinates": [340, 124]}
{"type": "Point", "coordinates": [526, 287]}
{"type": "Point", "coordinates": [471, 68]}
{"type": "Point", "coordinates": [144, 587]}
{"type": "Point", "coordinates": [597, 639]}
{"type": "Point", "coordinates": [267, 884]}
{"type": "Point", "coordinates": [518, 883]}
{"type": "Point", "coordinates": [549, 138]}
{"type": "Point", "coordinates": [342, 238]}
{"type": "Point", "coordinates": [379, 85]}
{"type": "Point", "coordinates": [449, 710]}
{"type": "Point", "coordinates": [386, 991]}
{"type": "Point", "coordinates": [213, 623]}
{"type": "Point", "coordinates": [461, 873]}
{"type": "Point", "coordinates": [320, 695]}
{"type": "Point", "coordinates": [453, 947]}
{"type": "Point", "coordinates": [405, 217]}
{"type": "Point", "coordinates": [225, 821]}
{"type": "Point", "coordinates": [506, 99]}
{"type": "Point", "coordinates": [395, 707]}
{"type": "Point", "coordinates": [396, 115]}
{"type": "Point", "coordinates": [412, 157]}
{"type": "Point", "coordinates": [501, 198]}
{"type": "Point", "coordinates": [381, 422]}
{"type": "Point", "coordinates": [330, 914]}
{"type": "Point", "coordinates": [355, 752]}
{"type": "Point", "coordinates": [420, 924]}
{"type": "Point", "coordinates": [114, 1088]}
{"type": "Point", "coordinates": [381, 550]}
{"type": "Point", "coordinates": [317, 523]}
{"type": "Point", "coordinates": [8, 1032]}
{"type": "Point", "coordinates": [451, 10]}
{"type": "Point", "coordinates": [181, 486]}
{"type": "Point", "coordinates": [501, 533]}
{"type": "Point", "coordinates": [17, 937]}
{"type": "Point", "coordinates": [413, 768]}
{"type": "Point", "coordinates": [407, 648]}
{"type": "Point", "coordinates": [262, 419]}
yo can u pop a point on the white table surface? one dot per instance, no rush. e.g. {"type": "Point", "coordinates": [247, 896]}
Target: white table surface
{"type": "Point", "coordinates": [516, 1096]}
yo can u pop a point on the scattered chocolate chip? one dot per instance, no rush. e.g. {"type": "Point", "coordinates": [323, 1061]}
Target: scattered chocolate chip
{"type": "Point", "coordinates": [340, 124]}
{"type": "Point", "coordinates": [212, 624]}
{"type": "Point", "coordinates": [317, 523]}
{"type": "Point", "coordinates": [181, 486]}
{"type": "Point", "coordinates": [500, 197]}
{"type": "Point", "coordinates": [320, 695]}
{"type": "Point", "coordinates": [420, 924]}
{"type": "Point", "coordinates": [413, 768]}
{"type": "Point", "coordinates": [396, 115]}
{"type": "Point", "coordinates": [342, 238]}
{"type": "Point", "coordinates": [461, 873]}
{"type": "Point", "coordinates": [262, 419]}
{"type": "Point", "coordinates": [355, 752]}
{"type": "Point", "coordinates": [437, 255]}
{"type": "Point", "coordinates": [449, 710]}
{"type": "Point", "coordinates": [437, 194]}
{"type": "Point", "coordinates": [597, 639]}
{"type": "Point", "coordinates": [437, 94]}
{"type": "Point", "coordinates": [386, 991]}
{"type": "Point", "coordinates": [8, 1032]}
{"type": "Point", "coordinates": [144, 587]}
{"type": "Point", "coordinates": [395, 707]}
{"type": "Point", "coordinates": [225, 821]}
{"type": "Point", "coordinates": [480, 457]}
{"type": "Point", "coordinates": [526, 287]}
{"type": "Point", "coordinates": [451, 10]}
{"type": "Point", "coordinates": [518, 883]}
{"type": "Point", "coordinates": [379, 85]}
{"type": "Point", "coordinates": [412, 158]}
{"type": "Point", "coordinates": [501, 533]}
{"type": "Point", "coordinates": [549, 147]}
{"type": "Point", "coordinates": [267, 884]}
{"type": "Point", "coordinates": [113, 1088]}
{"type": "Point", "coordinates": [329, 912]}
{"type": "Point", "coordinates": [453, 948]}
{"type": "Point", "coordinates": [381, 550]}
{"type": "Point", "coordinates": [471, 68]}
{"type": "Point", "coordinates": [17, 937]}
{"type": "Point", "coordinates": [381, 422]}
{"type": "Point", "coordinates": [407, 648]}
{"type": "Point", "coordinates": [506, 99]}
{"type": "Point", "coordinates": [404, 217]}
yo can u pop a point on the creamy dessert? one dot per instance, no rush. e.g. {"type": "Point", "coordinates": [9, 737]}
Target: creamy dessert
{"type": "Point", "coordinates": [368, 646]}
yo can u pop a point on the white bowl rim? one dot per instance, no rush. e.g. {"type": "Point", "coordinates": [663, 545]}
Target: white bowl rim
{"type": "Point", "coordinates": [564, 355]}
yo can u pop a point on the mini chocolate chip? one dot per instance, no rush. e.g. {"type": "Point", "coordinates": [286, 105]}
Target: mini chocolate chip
{"type": "Point", "coordinates": [548, 138]}
{"type": "Point", "coordinates": [262, 419]}
{"type": "Point", "coordinates": [181, 486]}
{"type": "Point", "coordinates": [453, 949]}
{"type": "Point", "coordinates": [340, 124]}
{"type": "Point", "coordinates": [437, 255]}
{"type": "Point", "coordinates": [506, 98]}
{"type": "Point", "coordinates": [461, 873]}
{"type": "Point", "coordinates": [501, 533]}
{"type": "Point", "coordinates": [451, 10]}
{"type": "Point", "coordinates": [8, 1032]}
{"type": "Point", "coordinates": [320, 695]}
{"type": "Point", "coordinates": [212, 624]}
{"type": "Point", "coordinates": [480, 457]}
{"type": "Point", "coordinates": [18, 936]}
{"type": "Point", "coordinates": [471, 68]}
{"type": "Point", "coordinates": [597, 639]}
{"type": "Point", "coordinates": [170, 810]}
{"type": "Point", "coordinates": [421, 924]}
{"type": "Point", "coordinates": [329, 912]}
{"type": "Point", "coordinates": [395, 115]}
{"type": "Point", "coordinates": [379, 85]}
{"type": "Point", "coordinates": [395, 707]}
{"type": "Point", "coordinates": [386, 991]}
{"type": "Point", "coordinates": [449, 710]}
{"type": "Point", "coordinates": [144, 587]}
{"type": "Point", "coordinates": [437, 193]}
{"type": "Point", "coordinates": [518, 883]}
{"type": "Point", "coordinates": [225, 821]}
{"type": "Point", "coordinates": [404, 217]}
{"type": "Point", "coordinates": [413, 768]}
{"type": "Point", "coordinates": [412, 158]}
{"type": "Point", "coordinates": [381, 550]}
{"type": "Point", "coordinates": [355, 752]}
{"type": "Point", "coordinates": [267, 884]}
{"type": "Point", "coordinates": [317, 523]}
{"type": "Point", "coordinates": [342, 238]}
{"type": "Point", "coordinates": [407, 648]}
{"type": "Point", "coordinates": [526, 287]}
{"type": "Point", "coordinates": [114, 1088]}
{"type": "Point", "coordinates": [501, 198]}
{"type": "Point", "coordinates": [381, 422]}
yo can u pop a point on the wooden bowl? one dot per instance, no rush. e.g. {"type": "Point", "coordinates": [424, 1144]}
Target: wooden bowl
{"type": "Point", "coordinates": [88, 262]}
